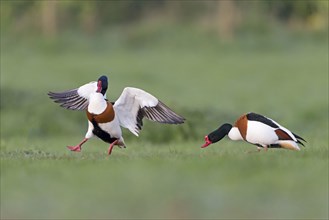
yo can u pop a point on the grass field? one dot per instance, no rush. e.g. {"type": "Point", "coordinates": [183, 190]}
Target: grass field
{"type": "Point", "coordinates": [164, 173]}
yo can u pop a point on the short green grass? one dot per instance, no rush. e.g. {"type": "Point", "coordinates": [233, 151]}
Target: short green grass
{"type": "Point", "coordinates": [42, 179]}
{"type": "Point", "coordinates": [164, 173]}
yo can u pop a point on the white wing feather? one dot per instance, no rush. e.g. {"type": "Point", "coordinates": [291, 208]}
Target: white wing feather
{"type": "Point", "coordinates": [284, 129]}
{"type": "Point", "coordinates": [75, 99]}
{"type": "Point", "coordinates": [85, 90]}
{"type": "Point", "coordinates": [134, 104]}
{"type": "Point", "coordinates": [127, 107]}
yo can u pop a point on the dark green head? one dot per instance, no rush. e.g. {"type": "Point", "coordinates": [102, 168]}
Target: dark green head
{"type": "Point", "coordinates": [102, 84]}
{"type": "Point", "coordinates": [217, 135]}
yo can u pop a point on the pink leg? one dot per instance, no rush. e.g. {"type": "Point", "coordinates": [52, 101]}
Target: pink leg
{"type": "Point", "coordinates": [111, 146]}
{"type": "Point", "coordinates": [77, 148]}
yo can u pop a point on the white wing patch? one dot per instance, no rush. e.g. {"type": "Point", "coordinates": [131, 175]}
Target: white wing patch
{"type": "Point", "coordinates": [288, 132]}
{"type": "Point", "coordinates": [87, 89]}
{"type": "Point", "coordinates": [132, 96]}
{"type": "Point", "coordinates": [128, 105]}
{"type": "Point", "coordinates": [75, 99]}
{"type": "Point", "coordinates": [284, 129]}
{"type": "Point", "coordinates": [134, 104]}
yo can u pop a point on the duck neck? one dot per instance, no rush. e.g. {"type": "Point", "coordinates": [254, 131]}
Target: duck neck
{"type": "Point", "coordinates": [220, 133]}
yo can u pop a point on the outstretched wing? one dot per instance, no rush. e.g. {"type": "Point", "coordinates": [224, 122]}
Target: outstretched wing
{"type": "Point", "coordinates": [75, 99]}
{"type": "Point", "coordinates": [135, 104]}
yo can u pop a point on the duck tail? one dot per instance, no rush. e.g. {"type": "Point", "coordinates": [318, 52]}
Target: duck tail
{"type": "Point", "coordinates": [299, 137]}
{"type": "Point", "coordinates": [301, 143]}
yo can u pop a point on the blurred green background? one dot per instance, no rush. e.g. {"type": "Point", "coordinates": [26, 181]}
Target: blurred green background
{"type": "Point", "coordinates": [210, 61]}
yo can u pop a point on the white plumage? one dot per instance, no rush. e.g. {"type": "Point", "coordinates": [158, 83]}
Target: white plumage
{"type": "Point", "coordinates": [105, 118]}
{"type": "Point", "coordinates": [234, 134]}
{"type": "Point", "coordinates": [260, 133]}
{"type": "Point", "coordinates": [97, 103]}
{"type": "Point", "coordinates": [258, 130]}
{"type": "Point", "coordinates": [128, 105]}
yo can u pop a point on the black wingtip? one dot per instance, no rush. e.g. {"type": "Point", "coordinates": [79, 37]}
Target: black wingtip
{"type": "Point", "coordinates": [50, 94]}
{"type": "Point", "coordinates": [301, 143]}
{"type": "Point", "coordinates": [173, 117]}
{"type": "Point", "coordinates": [299, 137]}
{"type": "Point", "coordinates": [69, 99]}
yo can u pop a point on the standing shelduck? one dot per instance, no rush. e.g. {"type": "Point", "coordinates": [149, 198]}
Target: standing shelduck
{"type": "Point", "coordinates": [105, 118]}
{"type": "Point", "coordinates": [258, 130]}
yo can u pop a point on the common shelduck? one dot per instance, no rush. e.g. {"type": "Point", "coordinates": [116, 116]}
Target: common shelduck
{"type": "Point", "coordinates": [258, 130]}
{"type": "Point", "coordinates": [105, 118]}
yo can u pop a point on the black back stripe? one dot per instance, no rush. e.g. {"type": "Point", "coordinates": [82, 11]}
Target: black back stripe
{"type": "Point", "coordinates": [256, 117]}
